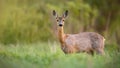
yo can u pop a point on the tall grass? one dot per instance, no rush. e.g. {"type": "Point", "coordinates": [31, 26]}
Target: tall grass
{"type": "Point", "coordinates": [49, 55]}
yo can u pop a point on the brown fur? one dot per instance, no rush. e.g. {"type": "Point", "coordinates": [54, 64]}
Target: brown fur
{"type": "Point", "coordinates": [82, 42]}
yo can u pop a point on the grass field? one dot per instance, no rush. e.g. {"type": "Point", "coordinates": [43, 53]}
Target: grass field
{"type": "Point", "coordinates": [49, 55]}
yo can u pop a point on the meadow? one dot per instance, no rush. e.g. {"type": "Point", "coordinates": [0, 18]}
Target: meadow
{"type": "Point", "coordinates": [49, 55]}
{"type": "Point", "coordinates": [28, 33]}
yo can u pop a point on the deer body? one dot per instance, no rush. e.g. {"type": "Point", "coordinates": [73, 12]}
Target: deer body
{"type": "Point", "coordinates": [82, 42]}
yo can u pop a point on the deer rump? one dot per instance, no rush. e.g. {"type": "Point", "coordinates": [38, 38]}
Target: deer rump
{"type": "Point", "coordinates": [83, 42]}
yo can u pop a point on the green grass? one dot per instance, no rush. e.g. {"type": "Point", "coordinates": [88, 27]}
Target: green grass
{"type": "Point", "coordinates": [49, 55]}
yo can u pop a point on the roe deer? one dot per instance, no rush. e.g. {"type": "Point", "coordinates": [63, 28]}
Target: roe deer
{"type": "Point", "coordinates": [88, 42]}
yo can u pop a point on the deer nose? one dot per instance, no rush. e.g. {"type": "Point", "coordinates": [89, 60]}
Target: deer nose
{"type": "Point", "coordinates": [60, 25]}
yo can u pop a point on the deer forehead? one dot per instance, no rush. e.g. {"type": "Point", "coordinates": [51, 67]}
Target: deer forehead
{"type": "Point", "coordinates": [59, 18]}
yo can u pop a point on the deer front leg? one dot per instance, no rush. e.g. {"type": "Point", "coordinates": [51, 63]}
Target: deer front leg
{"type": "Point", "coordinates": [100, 51]}
{"type": "Point", "coordinates": [91, 52]}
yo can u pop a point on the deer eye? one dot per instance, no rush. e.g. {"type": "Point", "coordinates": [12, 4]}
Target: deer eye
{"type": "Point", "coordinates": [63, 20]}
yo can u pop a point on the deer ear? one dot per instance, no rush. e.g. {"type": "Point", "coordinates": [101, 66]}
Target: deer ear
{"type": "Point", "coordinates": [54, 13]}
{"type": "Point", "coordinates": [65, 14]}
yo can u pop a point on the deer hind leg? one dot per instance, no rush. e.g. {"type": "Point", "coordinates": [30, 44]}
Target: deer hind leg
{"type": "Point", "coordinates": [100, 51]}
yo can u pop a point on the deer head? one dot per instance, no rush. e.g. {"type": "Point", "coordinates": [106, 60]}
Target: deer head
{"type": "Point", "coordinates": [60, 19]}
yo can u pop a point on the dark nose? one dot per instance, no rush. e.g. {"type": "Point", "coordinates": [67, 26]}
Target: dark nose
{"type": "Point", "coordinates": [60, 25]}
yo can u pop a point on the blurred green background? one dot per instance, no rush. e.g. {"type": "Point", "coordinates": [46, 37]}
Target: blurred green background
{"type": "Point", "coordinates": [29, 23]}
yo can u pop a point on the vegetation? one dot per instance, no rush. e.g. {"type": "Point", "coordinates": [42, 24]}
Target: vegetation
{"type": "Point", "coordinates": [37, 55]}
{"type": "Point", "coordinates": [28, 32]}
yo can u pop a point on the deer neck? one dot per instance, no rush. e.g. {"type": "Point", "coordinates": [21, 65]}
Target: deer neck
{"type": "Point", "coordinates": [61, 34]}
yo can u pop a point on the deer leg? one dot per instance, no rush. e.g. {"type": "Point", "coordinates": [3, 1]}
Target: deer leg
{"type": "Point", "coordinates": [100, 51]}
{"type": "Point", "coordinates": [91, 52]}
